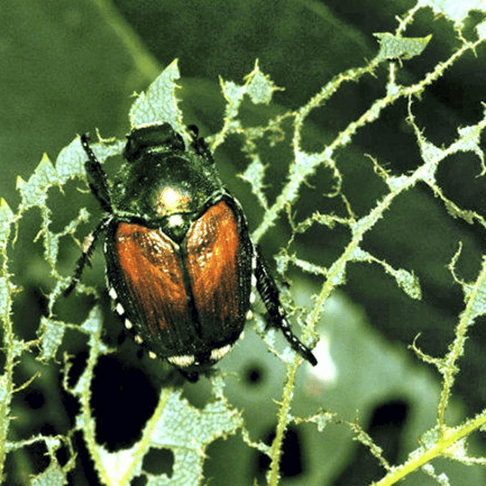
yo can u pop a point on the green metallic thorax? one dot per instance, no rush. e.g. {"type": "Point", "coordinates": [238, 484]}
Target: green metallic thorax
{"type": "Point", "coordinates": [164, 184]}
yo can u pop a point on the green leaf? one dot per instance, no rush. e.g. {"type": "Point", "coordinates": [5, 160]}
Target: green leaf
{"type": "Point", "coordinates": [260, 87]}
{"type": "Point", "coordinates": [454, 10]}
{"type": "Point", "coordinates": [396, 47]}
{"type": "Point", "coordinates": [52, 335]}
{"type": "Point", "coordinates": [5, 297]}
{"type": "Point", "coordinates": [178, 426]}
{"type": "Point", "coordinates": [34, 191]}
{"type": "Point", "coordinates": [407, 281]}
{"type": "Point", "coordinates": [6, 219]}
{"type": "Point", "coordinates": [52, 476]}
{"type": "Point", "coordinates": [255, 175]}
{"type": "Point", "coordinates": [159, 103]}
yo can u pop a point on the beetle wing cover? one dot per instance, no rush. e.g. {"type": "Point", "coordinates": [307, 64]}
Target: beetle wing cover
{"type": "Point", "coordinates": [152, 282]}
{"type": "Point", "coordinates": [216, 266]}
{"type": "Point", "coordinates": [188, 300]}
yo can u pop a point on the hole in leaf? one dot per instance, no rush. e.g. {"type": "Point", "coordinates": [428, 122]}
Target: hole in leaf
{"type": "Point", "coordinates": [123, 401]}
{"type": "Point", "coordinates": [386, 426]}
{"type": "Point", "coordinates": [78, 364]}
{"type": "Point", "coordinates": [254, 374]}
{"type": "Point", "coordinates": [291, 461]}
{"type": "Point", "coordinates": [198, 394]}
{"type": "Point", "coordinates": [62, 455]}
{"type": "Point", "coordinates": [34, 399]}
{"type": "Point", "coordinates": [390, 414]}
{"type": "Point", "coordinates": [474, 18]}
{"type": "Point", "coordinates": [84, 471]}
{"type": "Point", "coordinates": [3, 356]}
{"type": "Point", "coordinates": [139, 481]}
{"type": "Point", "coordinates": [38, 455]}
{"type": "Point", "coordinates": [33, 458]}
{"type": "Point", "coordinates": [29, 306]}
{"type": "Point", "coordinates": [159, 461]}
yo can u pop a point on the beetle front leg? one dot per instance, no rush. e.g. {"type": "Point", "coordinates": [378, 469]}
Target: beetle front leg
{"type": "Point", "coordinates": [86, 255]}
{"type": "Point", "coordinates": [267, 288]}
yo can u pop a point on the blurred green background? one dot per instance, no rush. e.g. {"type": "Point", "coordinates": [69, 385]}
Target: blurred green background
{"type": "Point", "coordinates": [67, 67]}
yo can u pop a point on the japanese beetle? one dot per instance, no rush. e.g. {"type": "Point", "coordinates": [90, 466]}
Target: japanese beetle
{"type": "Point", "coordinates": [179, 258]}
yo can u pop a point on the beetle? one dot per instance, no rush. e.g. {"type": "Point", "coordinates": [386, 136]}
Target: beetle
{"type": "Point", "coordinates": [180, 263]}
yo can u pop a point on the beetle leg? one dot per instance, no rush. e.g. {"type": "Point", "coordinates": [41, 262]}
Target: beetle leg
{"type": "Point", "coordinates": [86, 255]}
{"type": "Point", "coordinates": [96, 177]}
{"type": "Point", "coordinates": [99, 187]}
{"type": "Point", "coordinates": [268, 290]}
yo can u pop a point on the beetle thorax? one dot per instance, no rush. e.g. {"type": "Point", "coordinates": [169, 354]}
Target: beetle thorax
{"type": "Point", "coordinates": [170, 201]}
{"type": "Point", "coordinates": [175, 210]}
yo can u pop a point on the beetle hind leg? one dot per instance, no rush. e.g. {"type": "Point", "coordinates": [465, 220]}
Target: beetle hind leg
{"type": "Point", "coordinates": [269, 293]}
